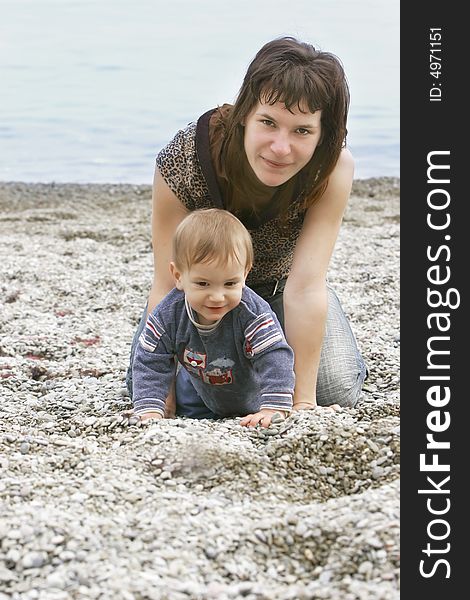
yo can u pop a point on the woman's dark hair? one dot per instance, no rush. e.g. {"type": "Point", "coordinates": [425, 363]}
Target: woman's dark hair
{"type": "Point", "coordinates": [300, 76]}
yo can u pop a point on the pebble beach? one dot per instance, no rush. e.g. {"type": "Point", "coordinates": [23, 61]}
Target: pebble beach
{"type": "Point", "coordinates": [95, 505]}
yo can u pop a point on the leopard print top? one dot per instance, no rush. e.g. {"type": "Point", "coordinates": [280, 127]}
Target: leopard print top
{"type": "Point", "coordinates": [273, 244]}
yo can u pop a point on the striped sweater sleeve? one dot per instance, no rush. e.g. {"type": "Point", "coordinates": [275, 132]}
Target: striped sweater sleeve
{"type": "Point", "coordinates": [273, 359]}
{"type": "Point", "coordinates": [153, 368]}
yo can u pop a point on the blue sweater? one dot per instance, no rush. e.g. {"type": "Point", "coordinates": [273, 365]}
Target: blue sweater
{"type": "Point", "coordinates": [240, 366]}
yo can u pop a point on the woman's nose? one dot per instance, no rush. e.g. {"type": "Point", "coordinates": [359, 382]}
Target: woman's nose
{"type": "Point", "coordinates": [280, 145]}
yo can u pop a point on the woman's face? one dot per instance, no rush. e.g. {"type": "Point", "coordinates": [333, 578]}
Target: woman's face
{"type": "Point", "coordinates": [280, 142]}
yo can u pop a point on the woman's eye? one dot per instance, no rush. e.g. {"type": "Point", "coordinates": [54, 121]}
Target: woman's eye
{"type": "Point", "coordinates": [303, 131]}
{"type": "Point", "coordinates": [267, 122]}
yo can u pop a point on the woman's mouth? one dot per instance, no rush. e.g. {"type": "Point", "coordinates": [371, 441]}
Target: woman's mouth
{"type": "Point", "coordinates": [275, 165]}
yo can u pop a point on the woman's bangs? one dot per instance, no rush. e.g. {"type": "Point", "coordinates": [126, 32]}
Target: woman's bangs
{"type": "Point", "coordinates": [295, 93]}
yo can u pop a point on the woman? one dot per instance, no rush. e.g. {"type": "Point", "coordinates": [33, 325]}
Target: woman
{"type": "Point", "coordinates": [277, 160]}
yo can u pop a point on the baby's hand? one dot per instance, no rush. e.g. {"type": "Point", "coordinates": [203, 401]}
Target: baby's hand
{"type": "Point", "coordinates": [133, 419]}
{"type": "Point", "coordinates": [150, 415]}
{"type": "Point", "coordinates": [264, 418]}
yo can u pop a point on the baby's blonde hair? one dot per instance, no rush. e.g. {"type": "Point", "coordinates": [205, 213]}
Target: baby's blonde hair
{"type": "Point", "coordinates": [211, 234]}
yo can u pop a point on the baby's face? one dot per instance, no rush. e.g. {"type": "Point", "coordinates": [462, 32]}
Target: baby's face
{"type": "Point", "coordinates": [212, 289]}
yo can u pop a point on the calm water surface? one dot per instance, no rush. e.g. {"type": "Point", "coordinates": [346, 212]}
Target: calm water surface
{"type": "Point", "coordinates": [91, 90]}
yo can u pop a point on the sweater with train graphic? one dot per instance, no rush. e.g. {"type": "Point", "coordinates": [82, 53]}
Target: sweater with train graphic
{"type": "Point", "coordinates": [239, 366]}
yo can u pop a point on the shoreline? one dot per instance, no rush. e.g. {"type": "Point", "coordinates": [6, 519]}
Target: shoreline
{"type": "Point", "coordinates": [377, 180]}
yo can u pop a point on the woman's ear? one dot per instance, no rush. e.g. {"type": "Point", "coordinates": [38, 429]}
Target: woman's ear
{"type": "Point", "coordinates": [176, 276]}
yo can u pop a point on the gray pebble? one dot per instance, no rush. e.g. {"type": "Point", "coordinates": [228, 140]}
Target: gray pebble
{"type": "Point", "coordinates": [34, 560]}
{"type": "Point", "coordinates": [25, 447]}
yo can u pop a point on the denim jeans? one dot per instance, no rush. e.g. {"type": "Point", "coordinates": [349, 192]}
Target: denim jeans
{"type": "Point", "coordinates": [341, 372]}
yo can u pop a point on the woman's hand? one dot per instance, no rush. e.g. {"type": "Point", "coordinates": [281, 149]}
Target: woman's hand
{"type": "Point", "coordinates": [264, 418]}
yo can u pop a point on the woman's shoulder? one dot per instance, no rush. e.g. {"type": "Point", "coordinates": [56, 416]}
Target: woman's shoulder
{"type": "Point", "coordinates": [345, 165]}
{"type": "Point", "coordinates": [182, 147]}
{"type": "Point", "coordinates": [183, 144]}
{"type": "Point", "coordinates": [179, 166]}
{"type": "Point", "coordinates": [341, 178]}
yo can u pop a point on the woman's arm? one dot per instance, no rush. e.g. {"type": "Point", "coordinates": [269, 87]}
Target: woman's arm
{"type": "Point", "coordinates": [167, 214]}
{"type": "Point", "coordinates": [305, 295]}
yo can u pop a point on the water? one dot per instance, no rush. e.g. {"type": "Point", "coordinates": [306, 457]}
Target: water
{"type": "Point", "coordinates": [92, 89]}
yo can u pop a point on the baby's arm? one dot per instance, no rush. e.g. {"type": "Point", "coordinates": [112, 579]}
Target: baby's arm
{"type": "Point", "coordinates": [152, 371]}
{"type": "Point", "coordinates": [273, 360]}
